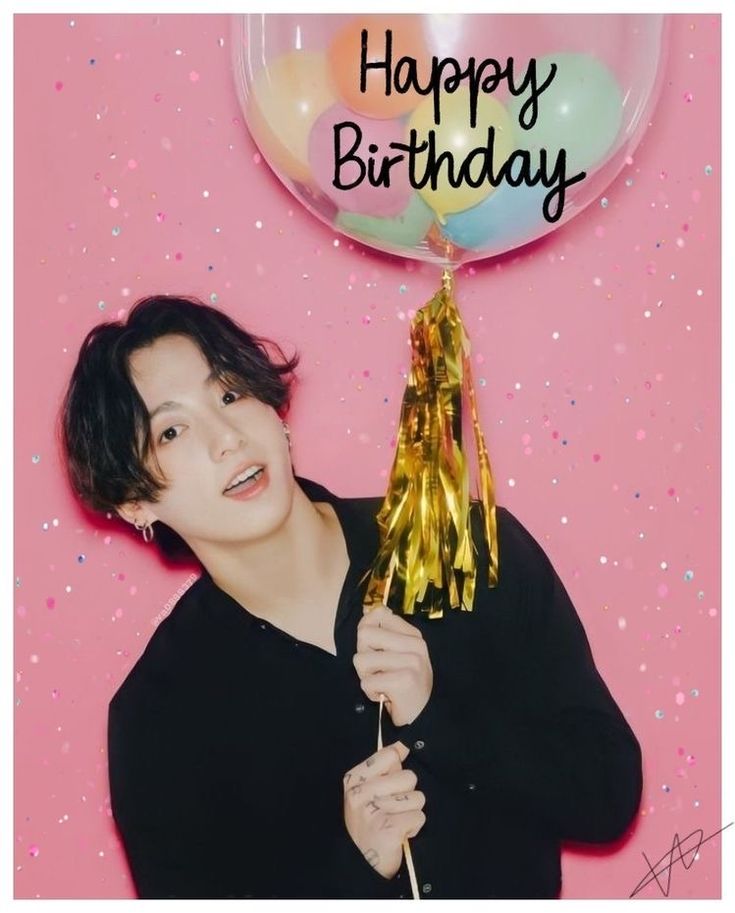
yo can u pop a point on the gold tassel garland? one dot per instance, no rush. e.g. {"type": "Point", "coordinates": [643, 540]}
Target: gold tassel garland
{"type": "Point", "coordinates": [426, 558]}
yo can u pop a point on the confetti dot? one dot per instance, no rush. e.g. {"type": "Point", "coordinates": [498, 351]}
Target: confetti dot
{"type": "Point", "coordinates": [258, 223]}
{"type": "Point", "coordinates": [555, 335]}
{"type": "Point", "coordinates": [622, 623]}
{"type": "Point", "coordinates": [663, 565]}
{"type": "Point", "coordinates": [116, 231]}
{"type": "Point", "coordinates": [604, 202]}
{"type": "Point", "coordinates": [36, 458]}
{"type": "Point", "coordinates": [708, 169]}
{"type": "Point", "coordinates": [666, 789]}
{"type": "Point", "coordinates": [81, 558]}
{"type": "Point", "coordinates": [512, 483]}
{"type": "Point", "coordinates": [58, 86]}
{"type": "Point", "coordinates": [193, 76]}
{"type": "Point", "coordinates": [688, 575]}
{"type": "Point", "coordinates": [33, 850]}
{"type": "Point", "coordinates": [640, 435]}
{"type": "Point", "coordinates": [114, 202]}
{"type": "Point", "coordinates": [603, 559]}
{"type": "Point", "coordinates": [659, 714]}
{"type": "Point", "coordinates": [565, 520]}
{"type": "Point", "coordinates": [680, 698]}
{"type": "Point", "coordinates": [662, 590]}
{"type": "Point", "coordinates": [694, 692]}
{"type": "Point", "coordinates": [596, 457]}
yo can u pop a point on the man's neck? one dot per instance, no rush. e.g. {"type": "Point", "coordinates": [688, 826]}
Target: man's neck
{"type": "Point", "coordinates": [289, 569]}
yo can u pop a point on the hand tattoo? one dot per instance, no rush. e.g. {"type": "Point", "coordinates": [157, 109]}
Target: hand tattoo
{"type": "Point", "coordinates": [372, 804]}
{"type": "Point", "coordinates": [372, 857]}
{"type": "Point", "coordinates": [370, 761]}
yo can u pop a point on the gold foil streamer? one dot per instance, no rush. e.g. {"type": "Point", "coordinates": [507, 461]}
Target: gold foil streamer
{"type": "Point", "coordinates": [426, 560]}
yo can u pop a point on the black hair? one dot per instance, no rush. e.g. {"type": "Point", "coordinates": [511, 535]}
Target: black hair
{"type": "Point", "coordinates": [104, 429]}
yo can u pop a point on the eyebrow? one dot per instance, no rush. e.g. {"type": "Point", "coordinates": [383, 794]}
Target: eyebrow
{"type": "Point", "coordinates": [170, 405]}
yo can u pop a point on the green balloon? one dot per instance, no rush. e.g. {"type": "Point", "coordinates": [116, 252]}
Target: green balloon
{"type": "Point", "coordinates": [580, 110]}
{"type": "Point", "coordinates": [404, 230]}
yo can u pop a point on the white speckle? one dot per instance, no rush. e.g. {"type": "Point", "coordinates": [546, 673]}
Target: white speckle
{"type": "Point", "coordinates": [564, 520]}
{"type": "Point", "coordinates": [603, 559]}
{"type": "Point", "coordinates": [622, 623]}
{"type": "Point", "coordinates": [258, 223]}
{"type": "Point", "coordinates": [555, 334]}
{"type": "Point", "coordinates": [512, 483]}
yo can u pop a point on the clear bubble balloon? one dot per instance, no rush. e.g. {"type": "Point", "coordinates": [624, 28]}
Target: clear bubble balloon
{"type": "Point", "coordinates": [447, 137]}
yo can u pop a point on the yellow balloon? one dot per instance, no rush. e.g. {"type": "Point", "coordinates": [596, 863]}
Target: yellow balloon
{"type": "Point", "coordinates": [288, 96]}
{"type": "Point", "coordinates": [455, 136]}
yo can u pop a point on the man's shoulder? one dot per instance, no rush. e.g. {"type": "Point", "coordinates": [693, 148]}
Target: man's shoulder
{"type": "Point", "coordinates": [162, 666]}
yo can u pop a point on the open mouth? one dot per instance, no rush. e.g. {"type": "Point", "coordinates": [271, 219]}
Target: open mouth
{"type": "Point", "coordinates": [247, 479]}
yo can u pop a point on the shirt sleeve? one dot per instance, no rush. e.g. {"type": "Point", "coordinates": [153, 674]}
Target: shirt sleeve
{"type": "Point", "coordinates": [163, 810]}
{"type": "Point", "coordinates": [554, 743]}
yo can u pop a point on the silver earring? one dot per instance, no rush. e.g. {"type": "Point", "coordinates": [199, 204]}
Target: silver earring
{"type": "Point", "coordinates": [147, 531]}
{"type": "Point", "coordinates": [287, 432]}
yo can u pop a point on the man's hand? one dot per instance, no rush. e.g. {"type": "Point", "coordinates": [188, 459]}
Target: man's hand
{"type": "Point", "coordinates": [382, 807]}
{"type": "Point", "coordinates": [392, 658]}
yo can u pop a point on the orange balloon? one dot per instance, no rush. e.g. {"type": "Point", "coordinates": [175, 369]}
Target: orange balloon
{"type": "Point", "coordinates": [345, 53]}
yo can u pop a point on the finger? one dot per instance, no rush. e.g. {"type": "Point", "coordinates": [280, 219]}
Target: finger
{"type": "Point", "coordinates": [371, 638]}
{"type": "Point", "coordinates": [409, 801]}
{"type": "Point", "coordinates": [383, 661]}
{"type": "Point", "coordinates": [387, 683]}
{"type": "Point", "coordinates": [384, 761]}
{"type": "Point", "coordinates": [407, 824]}
{"type": "Point", "coordinates": [361, 794]}
{"type": "Point", "coordinates": [383, 617]}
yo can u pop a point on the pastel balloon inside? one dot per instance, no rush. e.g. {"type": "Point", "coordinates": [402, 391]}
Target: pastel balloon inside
{"type": "Point", "coordinates": [341, 147]}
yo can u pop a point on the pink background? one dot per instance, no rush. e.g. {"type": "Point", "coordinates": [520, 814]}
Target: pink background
{"type": "Point", "coordinates": [596, 360]}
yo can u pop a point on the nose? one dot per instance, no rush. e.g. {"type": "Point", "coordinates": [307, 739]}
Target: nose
{"type": "Point", "coordinates": [224, 436]}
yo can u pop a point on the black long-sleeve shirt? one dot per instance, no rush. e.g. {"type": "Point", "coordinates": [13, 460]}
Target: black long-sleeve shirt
{"type": "Point", "coordinates": [229, 739]}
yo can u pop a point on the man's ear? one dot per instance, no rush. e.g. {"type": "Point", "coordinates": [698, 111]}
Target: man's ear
{"type": "Point", "coordinates": [135, 513]}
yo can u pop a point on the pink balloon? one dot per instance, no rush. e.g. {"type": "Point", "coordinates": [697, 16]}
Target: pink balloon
{"type": "Point", "coordinates": [363, 198]}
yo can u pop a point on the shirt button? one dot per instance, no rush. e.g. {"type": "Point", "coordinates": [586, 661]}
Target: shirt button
{"type": "Point", "coordinates": [471, 786]}
{"type": "Point", "coordinates": [419, 745]}
{"type": "Point", "coordinates": [262, 626]}
{"type": "Point", "coordinates": [359, 707]}
{"type": "Point", "coordinates": [426, 888]}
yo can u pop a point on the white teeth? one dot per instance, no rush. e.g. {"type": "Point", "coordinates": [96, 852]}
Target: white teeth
{"type": "Point", "coordinates": [243, 476]}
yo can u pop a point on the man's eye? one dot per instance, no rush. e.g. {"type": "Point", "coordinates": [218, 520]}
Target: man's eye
{"type": "Point", "coordinates": [232, 393]}
{"type": "Point", "coordinates": [163, 439]}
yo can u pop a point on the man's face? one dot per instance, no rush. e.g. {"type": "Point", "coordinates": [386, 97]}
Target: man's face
{"type": "Point", "coordinates": [203, 437]}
